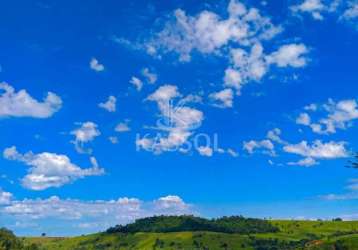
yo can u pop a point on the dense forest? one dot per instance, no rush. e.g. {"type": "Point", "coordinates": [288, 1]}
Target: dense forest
{"type": "Point", "coordinates": [165, 224]}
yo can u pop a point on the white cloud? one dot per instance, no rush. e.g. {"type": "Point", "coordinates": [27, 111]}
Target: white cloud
{"type": "Point", "coordinates": [49, 169]}
{"type": "Point", "coordinates": [110, 104]}
{"type": "Point", "coordinates": [352, 12]}
{"type": "Point", "coordinates": [176, 121]}
{"type": "Point", "coordinates": [317, 8]}
{"type": "Point", "coordinates": [290, 55]}
{"type": "Point", "coordinates": [275, 136]}
{"type": "Point", "coordinates": [318, 150]}
{"type": "Point", "coordinates": [252, 145]}
{"type": "Point", "coordinates": [351, 195]}
{"type": "Point", "coordinates": [137, 83]}
{"type": "Point", "coordinates": [205, 151]}
{"type": "Point", "coordinates": [5, 197]}
{"type": "Point", "coordinates": [164, 93]}
{"type": "Point", "coordinates": [95, 65]}
{"type": "Point", "coordinates": [255, 64]}
{"type": "Point", "coordinates": [240, 34]}
{"type": "Point", "coordinates": [87, 132]}
{"type": "Point", "coordinates": [267, 144]}
{"type": "Point", "coordinates": [304, 119]}
{"type": "Point", "coordinates": [122, 127]}
{"type": "Point", "coordinates": [306, 162]}
{"type": "Point", "coordinates": [21, 104]}
{"type": "Point", "coordinates": [113, 139]}
{"type": "Point", "coordinates": [92, 215]}
{"type": "Point", "coordinates": [223, 98]}
{"type": "Point", "coordinates": [151, 77]}
{"type": "Point", "coordinates": [208, 32]}
{"type": "Point", "coordinates": [338, 115]}
{"type": "Point", "coordinates": [313, 7]}
{"type": "Point", "coordinates": [171, 203]}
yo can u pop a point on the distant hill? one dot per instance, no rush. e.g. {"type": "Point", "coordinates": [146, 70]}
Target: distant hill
{"type": "Point", "coordinates": [186, 223]}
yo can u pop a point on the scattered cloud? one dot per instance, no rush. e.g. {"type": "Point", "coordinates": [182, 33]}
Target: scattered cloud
{"type": "Point", "coordinates": [316, 8]}
{"type": "Point", "coordinates": [113, 139]}
{"type": "Point", "coordinates": [267, 146]}
{"type": "Point", "coordinates": [137, 83]}
{"type": "Point", "coordinates": [223, 98]}
{"type": "Point", "coordinates": [87, 132]}
{"type": "Point", "coordinates": [5, 197]}
{"type": "Point", "coordinates": [21, 104]}
{"type": "Point", "coordinates": [95, 65]}
{"type": "Point", "coordinates": [110, 104]}
{"type": "Point", "coordinates": [306, 162]}
{"type": "Point", "coordinates": [352, 193]}
{"type": "Point", "coordinates": [208, 32]}
{"type": "Point", "coordinates": [94, 215]}
{"type": "Point", "coordinates": [150, 77]}
{"type": "Point", "coordinates": [316, 151]}
{"type": "Point", "coordinates": [50, 169]}
{"type": "Point", "coordinates": [122, 127]}
{"type": "Point", "coordinates": [337, 115]}
{"type": "Point", "coordinates": [175, 123]}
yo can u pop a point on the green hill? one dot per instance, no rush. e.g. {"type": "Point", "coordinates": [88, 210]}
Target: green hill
{"type": "Point", "coordinates": [165, 224]}
{"type": "Point", "coordinates": [147, 234]}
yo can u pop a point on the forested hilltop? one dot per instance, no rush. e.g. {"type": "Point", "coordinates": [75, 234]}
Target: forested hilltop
{"type": "Point", "coordinates": [185, 223]}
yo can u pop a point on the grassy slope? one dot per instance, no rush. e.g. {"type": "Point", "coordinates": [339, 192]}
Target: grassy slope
{"type": "Point", "coordinates": [322, 235]}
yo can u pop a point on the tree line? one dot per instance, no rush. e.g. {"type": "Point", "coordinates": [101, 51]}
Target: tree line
{"type": "Point", "coordinates": [165, 224]}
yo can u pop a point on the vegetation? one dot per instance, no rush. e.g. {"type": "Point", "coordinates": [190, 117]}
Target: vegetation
{"type": "Point", "coordinates": [165, 224]}
{"type": "Point", "coordinates": [8, 241]}
{"type": "Point", "coordinates": [290, 235]}
{"type": "Point", "coordinates": [354, 163]}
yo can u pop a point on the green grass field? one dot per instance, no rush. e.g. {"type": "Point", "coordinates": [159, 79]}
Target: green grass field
{"type": "Point", "coordinates": [312, 235]}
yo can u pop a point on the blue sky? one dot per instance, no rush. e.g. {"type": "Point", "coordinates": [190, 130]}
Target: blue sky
{"type": "Point", "coordinates": [124, 110]}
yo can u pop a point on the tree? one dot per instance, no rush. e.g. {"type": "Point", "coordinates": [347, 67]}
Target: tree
{"type": "Point", "coordinates": [354, 163]}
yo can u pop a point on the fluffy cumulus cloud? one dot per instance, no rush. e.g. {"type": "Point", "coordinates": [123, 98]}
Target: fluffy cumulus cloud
{"type": "Point", "coordinates": [208, 32]}
{"type": "Point", "coordinates": [172, 203]}
{"type": "Point", "coordinates": [109, 105]}
{"type": "Point", "coordinates": [346, 11]}
{"type": "Point", "coordinates": [21, 104]}
{"type": "Point", "coordinates": [223, 98]}
{"type": "Point", "coordinates": [240, 34]}
{"type": "Point", "coordinates": [266, 145]}
{"type": "Point", "coordinates": [176, 121]}
{"type": "Point", "coordinates": [316, 8]}
{"type": "Point", "coordinates": [93, 215]}
{"type": "Point", "coordinates": [253, 65]}
{"type": "Point", "coordinates": [95, 65]}
{"type": "Point", "coordinates": [317, 150]}
{"type": "Point", "coordinates": [50, 169]}
{"type": "Point", "coordinates": [87, 132]}
{"type": "Point", "coordinates": [336, 115]}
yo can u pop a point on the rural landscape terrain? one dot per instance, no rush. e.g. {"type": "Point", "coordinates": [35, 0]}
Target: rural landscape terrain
{"type": "Point", "coordinates": [189, 233]}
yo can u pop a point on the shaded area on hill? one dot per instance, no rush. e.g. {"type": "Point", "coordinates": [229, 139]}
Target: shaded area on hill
{"type": "Point", "coordinates": [164, 224]}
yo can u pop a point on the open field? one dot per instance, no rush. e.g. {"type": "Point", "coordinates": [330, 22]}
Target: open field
{"type": "Point", "coordinates": [312, 235]}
